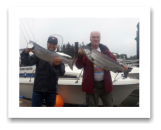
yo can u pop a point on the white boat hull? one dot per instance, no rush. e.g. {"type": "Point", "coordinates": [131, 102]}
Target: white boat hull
{"type": "Point", "coordinates": [72, 93]}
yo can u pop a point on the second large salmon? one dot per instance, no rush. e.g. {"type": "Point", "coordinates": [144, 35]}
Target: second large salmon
{"type": "Point", "coordinates": [103, 60]}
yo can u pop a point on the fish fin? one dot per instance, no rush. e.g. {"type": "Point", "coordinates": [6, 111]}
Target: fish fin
{"type": "Point", "coordinates": [127, 72]}
{"type": "Point", "coordinates": [30, 45]}
{"type": "Point", "coordinates": [71, 62]}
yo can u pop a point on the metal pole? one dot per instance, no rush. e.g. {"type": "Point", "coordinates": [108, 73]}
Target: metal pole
{"type": "Point", "coordinates": [138, 43]}
{"type": "Point", "coordinates": [76, 49]}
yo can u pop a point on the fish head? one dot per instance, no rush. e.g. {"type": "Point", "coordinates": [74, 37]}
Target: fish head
{"type": "Point", "coordinates": [86, 50]}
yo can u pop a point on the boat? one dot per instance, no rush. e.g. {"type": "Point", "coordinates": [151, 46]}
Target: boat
{"type": "Point", "coordinates": [133, 64]}
{"type": "Point", "coordinates": [69, 85]}
{"type": "Point", "coordinates": [133, 74]}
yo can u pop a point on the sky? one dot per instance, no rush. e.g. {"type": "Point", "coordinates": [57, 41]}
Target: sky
{"type": "Point", "coordinates": [117, 25]}
{"type": "Point", "coordinates": [118, 34]}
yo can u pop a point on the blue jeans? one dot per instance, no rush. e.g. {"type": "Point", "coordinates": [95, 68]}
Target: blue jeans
{"type": "Point", "coordinates": [38, 97]}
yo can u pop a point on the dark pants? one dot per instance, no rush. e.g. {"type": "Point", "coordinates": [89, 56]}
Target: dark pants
{"type": "Point", "coordinates": [38, 97]}
{"type": "Point", "coordinates": [99, 91]}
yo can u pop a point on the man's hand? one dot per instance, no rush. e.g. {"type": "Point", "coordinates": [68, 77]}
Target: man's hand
{"type": "Point", "coordinates": [80, 53]}
{"type": "Point", "coordinates": [27, 50]}
{"type": "Point", "coordinates": [57, 61]}
{"type": "Point", "coordinates": [125, 67]}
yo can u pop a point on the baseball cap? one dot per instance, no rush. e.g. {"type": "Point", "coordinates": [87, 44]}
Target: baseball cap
{"type": "Point", "coordinates": [52, 39]}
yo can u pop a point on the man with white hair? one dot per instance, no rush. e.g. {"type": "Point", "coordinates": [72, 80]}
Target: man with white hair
{"type": "Point", "coordinates": [96, 81]}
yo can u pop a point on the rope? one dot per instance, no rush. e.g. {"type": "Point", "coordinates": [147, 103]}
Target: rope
{"type": "Point", "coordinates": [23, 34]}
{"type": "Point", "coordinates": [30, 29]}
{"type": "Point", "coordinates": [33, 28]}
{"type": "Point", "coordinates": [25, 29]}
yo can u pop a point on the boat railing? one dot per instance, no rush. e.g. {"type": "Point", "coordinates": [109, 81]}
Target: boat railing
{"type": "Point", "coordinates": [130, 63]}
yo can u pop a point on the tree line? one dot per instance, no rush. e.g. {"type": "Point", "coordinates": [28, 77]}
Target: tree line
{"type": "Point", "coordinates": [69, 49]}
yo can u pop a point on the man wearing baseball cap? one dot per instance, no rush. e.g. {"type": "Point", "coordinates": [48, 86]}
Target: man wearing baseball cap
{"type": "Point", "coordinates": [46, 75]}
{"type": "Point", "coordinates": [52, 43]}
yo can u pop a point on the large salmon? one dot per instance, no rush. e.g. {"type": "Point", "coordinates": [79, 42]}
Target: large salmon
{"type": "Point", "coordinates": [48, 56]}
{"type": "Point", "coordinates": [103, 60]}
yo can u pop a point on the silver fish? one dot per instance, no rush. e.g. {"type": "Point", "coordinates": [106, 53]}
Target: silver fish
{"type": "Point", "coordinates": [48, 56]}
{"type": "Point", "coordinates": [103, 60]}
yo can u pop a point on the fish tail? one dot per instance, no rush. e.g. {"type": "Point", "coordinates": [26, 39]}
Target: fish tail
{"type": "Point", "coordinates": [71, 62]}
{"type": "Point", "coordinates": [30, 45]}
{"type": "Point", "coordinates": [127, 72]}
